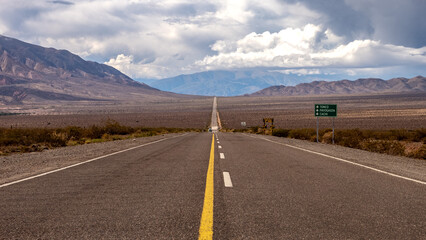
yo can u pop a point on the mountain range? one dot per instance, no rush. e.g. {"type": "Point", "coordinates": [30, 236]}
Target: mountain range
{"type": "Point", "coordinates": [271, 83]}
{"type": "Point", "coordinates": [360, 86]}
{"type": "Point", "coordinates": [31, 73]}
{"type": "Point", "coordinates": [223, 83]}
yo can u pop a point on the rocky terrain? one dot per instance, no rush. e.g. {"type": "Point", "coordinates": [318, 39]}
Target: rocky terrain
{"type": "Point", "coordinates": [31, 73]}
{"type": "Point", "coordinates": [360, 86]}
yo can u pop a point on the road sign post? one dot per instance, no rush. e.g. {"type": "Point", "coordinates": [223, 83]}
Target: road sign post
{"type": "Point", "coordinates": [325, 110]}
{"type": "Point", "coordinates": [317, 127]}
{"type": "Point", "coordinates": [333, 131]}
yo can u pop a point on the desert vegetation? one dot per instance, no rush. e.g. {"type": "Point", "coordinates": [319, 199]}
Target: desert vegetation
{"type": "Point", "coordinates": [385, 123]}
{"type": "Point", "coordinates": [21, 140]}
{"type": "Point", "coordinates": [400, 142]}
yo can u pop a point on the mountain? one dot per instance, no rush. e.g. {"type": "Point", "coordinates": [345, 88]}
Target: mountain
{"type": "Point", "coordinates": [367, 85]}
{"type": "Point", "coordinates": [222, 83]}
{"type": "Point", "coordinates": [31, 73]}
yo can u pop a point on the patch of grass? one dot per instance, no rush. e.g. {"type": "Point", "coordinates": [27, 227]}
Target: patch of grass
{"type": "Point", "coordinates": [19, 140]}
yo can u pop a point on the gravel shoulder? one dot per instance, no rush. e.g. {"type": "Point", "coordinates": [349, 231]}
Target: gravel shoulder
{"type": "Point", "coordinates": [403, 166]}
{"type": "Point", "coordinates": [19, 166]}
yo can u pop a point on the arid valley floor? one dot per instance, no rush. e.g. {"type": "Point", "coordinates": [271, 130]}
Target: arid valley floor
{"type": "Point", "coordinates": [390, 111]}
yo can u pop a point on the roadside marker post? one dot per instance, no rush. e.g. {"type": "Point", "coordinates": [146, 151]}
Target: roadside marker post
{"type": "Point", "coordinates": [317, 128]}
{"type": "Point", "coordinates": [325, 110]}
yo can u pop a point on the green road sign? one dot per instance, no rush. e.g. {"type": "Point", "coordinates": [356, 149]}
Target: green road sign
{"type": "Point", "coordinates": [325, 110]}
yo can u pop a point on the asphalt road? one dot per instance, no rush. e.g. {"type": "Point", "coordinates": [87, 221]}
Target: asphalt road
{"type": "Point", "coordinates": [158, 192]}
{"type": "Point", "coordinates": [284, 193]}
{"type": "Point", "coordinates": [153, 192]}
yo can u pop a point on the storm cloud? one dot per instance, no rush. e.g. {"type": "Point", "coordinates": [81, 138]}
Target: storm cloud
{"type": "Point", "coordinates": [155, 39]}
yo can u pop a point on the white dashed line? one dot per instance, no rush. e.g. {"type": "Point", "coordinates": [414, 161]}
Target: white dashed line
{"type": "Point", "coordinates": [218, 142]}
{"type": "Point", "coordinates": [219, 146]}
{"type": "Point", "coordinates": [222, 156]}
{"type": "Point", "coordinates": [227, 179]}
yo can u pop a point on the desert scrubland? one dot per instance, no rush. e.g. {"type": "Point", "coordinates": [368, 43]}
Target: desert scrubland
{"type": "Point", "coordinates": [389, 111]}
{"type": "Point", "coordinates": [394, 124]}
{"type": "Point", "coordinates": [362, 121]}
{"type": "Point", "coordinates": [376, 112]}
{"type": "Point", "coordinates": [179, 113]}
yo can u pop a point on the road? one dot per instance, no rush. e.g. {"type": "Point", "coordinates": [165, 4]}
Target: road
{"type": "Point", "coordinates": [259, 190]}
{"type": "Point", "coordinates": [214, 124]}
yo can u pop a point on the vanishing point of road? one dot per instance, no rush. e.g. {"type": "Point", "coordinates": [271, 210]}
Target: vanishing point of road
{"type": "Point", "coordinates": [214, 185]}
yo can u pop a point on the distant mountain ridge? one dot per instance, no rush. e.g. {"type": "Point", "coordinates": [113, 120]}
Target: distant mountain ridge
{"type": "Point", "coordinates": [366, 85]}
{"type": "Point", "coordinates": [33, 73]}
{"type": "Point", "coordinates": [222, 83]}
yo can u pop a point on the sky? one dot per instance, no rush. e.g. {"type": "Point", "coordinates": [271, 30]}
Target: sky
{"type": "Point", "coordinates": [152, 39]}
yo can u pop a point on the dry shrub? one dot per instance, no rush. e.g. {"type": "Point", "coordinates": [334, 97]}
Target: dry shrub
{"type": "Point", "coordinates": [304, 134]}
{"type": "Point", "coordinates": [393, 142]}
{"type": "Point", "coordinates": [420, 135]}
{"type": "Point", "coordinates": [281, 132]}
{"type": "Point", "coordinates": [38, 139]}
{"type": "Point", "coordinates": [349, 138]}
{"type": "Point", "coordinates": [74, 133]}
{"type": "Point", "coordinates": [382, 146]}
{"type": "Point", "coordinates": [327, 137]}
{"type": "Point", "coordinates": [30, 140]}
{"type": "Point", "coordinates": [420, 153]}
{"type": "Point", "coordinates": [112, 127]}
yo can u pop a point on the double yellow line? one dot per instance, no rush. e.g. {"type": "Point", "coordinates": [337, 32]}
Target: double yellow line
{"type": "Point", "coordinates": [206, 224]}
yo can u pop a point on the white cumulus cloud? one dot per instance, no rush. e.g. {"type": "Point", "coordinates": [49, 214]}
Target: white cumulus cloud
{"type": "Point", "coordinates": [165, 38]}
{"type": "Point", "coordinates": [127, 65]}
{"type": "Point", "coordinates": [308, 47]}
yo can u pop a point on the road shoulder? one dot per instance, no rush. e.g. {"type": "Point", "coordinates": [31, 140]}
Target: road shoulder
{"type": "Point", "coordinates": [19, 166]}
{"type": "Point", "coordinates": [403, 166]}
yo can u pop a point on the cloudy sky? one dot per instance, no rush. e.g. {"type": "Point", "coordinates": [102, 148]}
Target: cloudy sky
{"type": "Point", "coordinates": [164, 38]}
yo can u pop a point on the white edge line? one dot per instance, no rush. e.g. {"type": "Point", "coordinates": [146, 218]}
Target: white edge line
{"type": "Point", "coordinates": [343, 160]}
{"type": "Point", "coordinates": [227, 179]}
{"type": "Point", "coordinates": [90, 160]}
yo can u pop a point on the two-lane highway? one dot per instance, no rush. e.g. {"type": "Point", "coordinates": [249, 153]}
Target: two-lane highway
{"type": "Point", "coordinates": [215, 185]}
{"type": "Point", "coordinates": [159, 191]}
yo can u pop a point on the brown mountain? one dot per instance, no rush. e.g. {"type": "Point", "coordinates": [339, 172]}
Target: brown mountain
{"type": "Point", "coordinates": [368, 85]}
{"type": "Point", "coordinates": [31, 73]}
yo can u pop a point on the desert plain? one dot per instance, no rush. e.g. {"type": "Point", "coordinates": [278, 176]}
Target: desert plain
{"type": "Point", "coordinates": [372, 111]}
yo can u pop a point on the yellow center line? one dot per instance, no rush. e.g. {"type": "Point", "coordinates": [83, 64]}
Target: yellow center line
{"type": "Point", "coordinates": [206, 224]}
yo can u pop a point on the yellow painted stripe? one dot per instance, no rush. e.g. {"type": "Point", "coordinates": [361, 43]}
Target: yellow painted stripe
{"type": "Point", "coordinates": [206, 224]}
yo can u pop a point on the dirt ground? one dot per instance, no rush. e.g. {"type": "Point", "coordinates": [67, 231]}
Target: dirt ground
{"type": "Point", "coordinates": [390, 111]}
{"type": "Point", "coordinates": [180, 113]}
